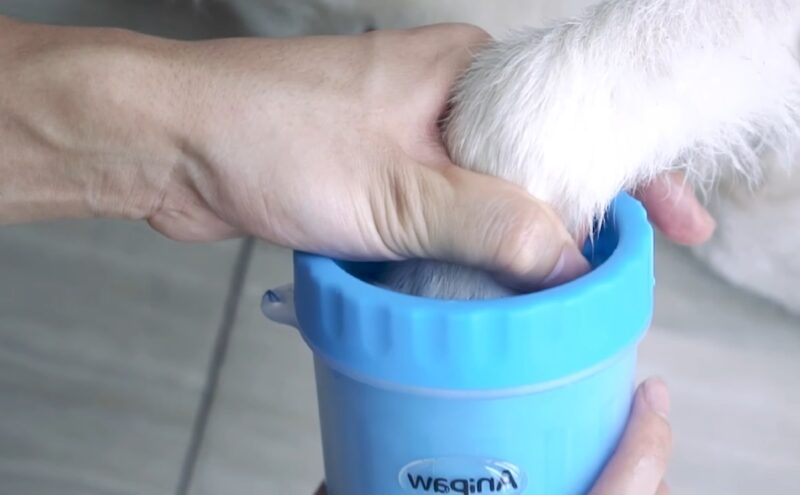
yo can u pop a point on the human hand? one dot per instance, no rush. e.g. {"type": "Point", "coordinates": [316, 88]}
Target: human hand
{"type": "Point", "coordinates": [640, 461]}
{"type": "Point", "coordinates": [327, 144]}
{"type": "Point", "coordinates": [331, 145]}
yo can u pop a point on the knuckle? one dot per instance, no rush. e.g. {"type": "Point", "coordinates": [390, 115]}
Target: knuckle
{"type": "Point", "coordinates": [524, 234]}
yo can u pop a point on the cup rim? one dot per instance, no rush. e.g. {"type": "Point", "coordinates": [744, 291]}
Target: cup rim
{"type": "Point", "coordinates": [633, 236]}
{"type": "Point", "coordinates": [365, 330]}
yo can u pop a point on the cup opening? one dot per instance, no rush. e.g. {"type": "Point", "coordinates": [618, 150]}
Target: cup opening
{"type": "Point", "coordinates": [597, 249]}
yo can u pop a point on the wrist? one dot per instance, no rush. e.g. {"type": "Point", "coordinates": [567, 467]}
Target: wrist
{"type": "Point", "coordinates": [89, 123]}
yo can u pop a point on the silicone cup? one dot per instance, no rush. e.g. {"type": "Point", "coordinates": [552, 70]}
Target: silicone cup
{"type": "Point", "coordinates": [521, 395]}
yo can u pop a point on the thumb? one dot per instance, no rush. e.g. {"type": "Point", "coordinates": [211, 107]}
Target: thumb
{"type": "Point", "coordinates": [640, 462]}
{"type": "Point", "coordinates": [484, 222]}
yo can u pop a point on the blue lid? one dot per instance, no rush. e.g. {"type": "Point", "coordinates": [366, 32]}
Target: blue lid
{"type": "Point", "coordinates": [383, 336]}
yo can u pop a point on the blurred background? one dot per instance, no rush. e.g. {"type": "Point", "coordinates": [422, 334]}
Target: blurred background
{"type": "Point", "coordinates": [131, 364]}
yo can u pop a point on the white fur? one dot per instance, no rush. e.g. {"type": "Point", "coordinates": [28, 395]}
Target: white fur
{"type": "Point", "coordinates": [589, 107]}
{"type": "Point", "coordinates": [584, 108]}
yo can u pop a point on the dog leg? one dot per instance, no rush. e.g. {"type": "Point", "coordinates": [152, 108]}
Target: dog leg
{"type": "Point", "coordinates": [588, 107]}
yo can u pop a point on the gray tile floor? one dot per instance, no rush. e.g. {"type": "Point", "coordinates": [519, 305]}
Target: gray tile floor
{"type": "Point", "coordinates": [105, 336]}
{"type": "Point", "coordinates": [263, 437]}
{"type": "Point", "coordinates": [108, 333]}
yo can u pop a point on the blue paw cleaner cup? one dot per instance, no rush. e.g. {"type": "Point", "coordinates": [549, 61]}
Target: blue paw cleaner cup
{"type": "Point", "coordinates": [521, 395]}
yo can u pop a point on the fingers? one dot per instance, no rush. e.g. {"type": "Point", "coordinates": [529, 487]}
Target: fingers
{"type": "Point", "coordinates": [674, 209]}
{"type": "Point", "coordinates": [640, 462]}
{"type": "Point", "coordinates": [480, 221]}
{"type": "Point", "coordinates": [509, 233]}
{"type": "Point", "coordinates": [462, 217]}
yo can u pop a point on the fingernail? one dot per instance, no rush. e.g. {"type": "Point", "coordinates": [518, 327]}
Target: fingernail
{"type": "Point", "coordinates": [570, 265]}
{"type": "Point", "coordinates": [657, 397]}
